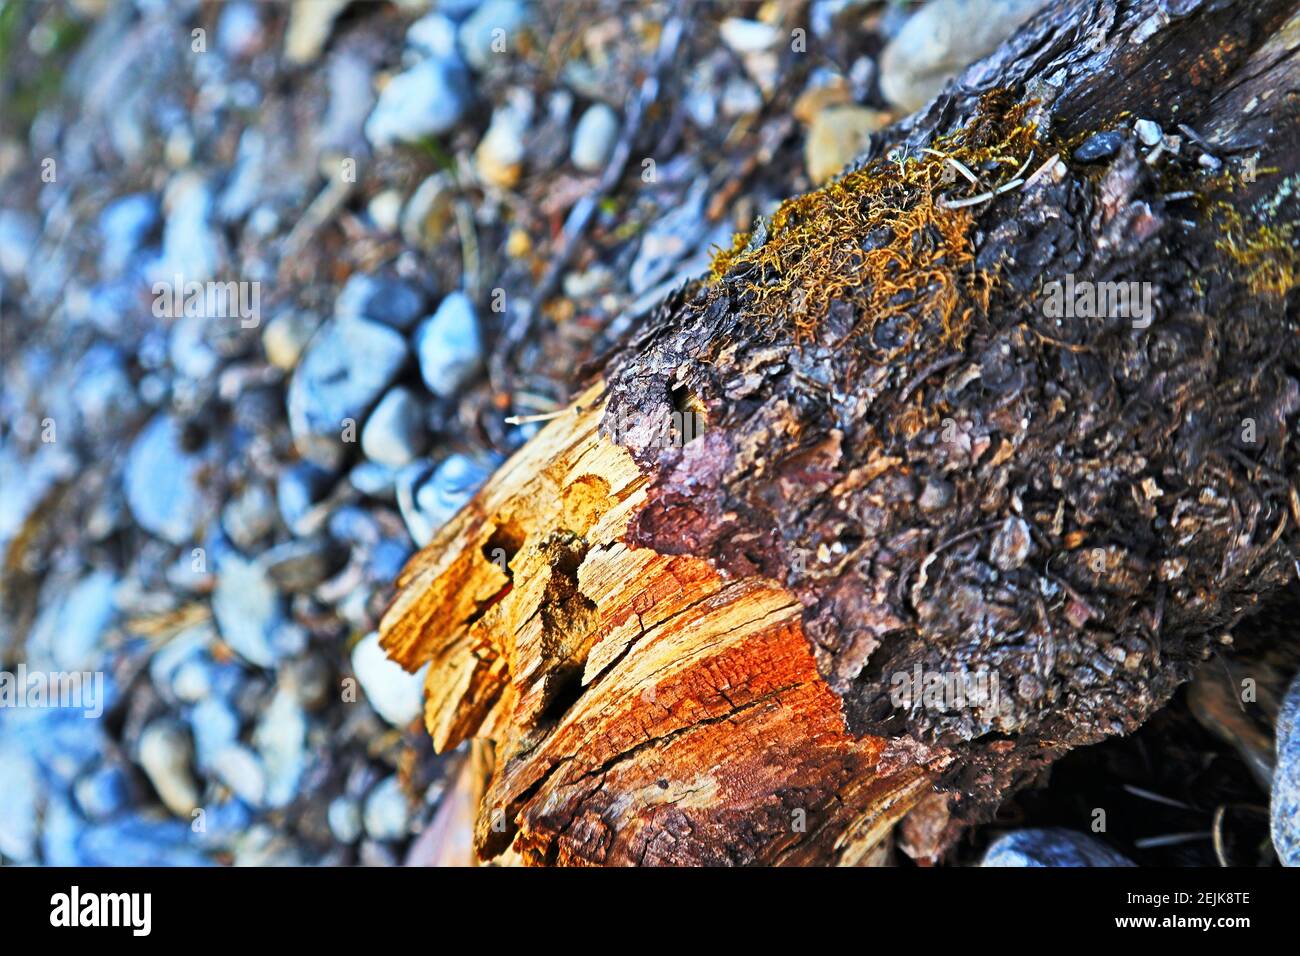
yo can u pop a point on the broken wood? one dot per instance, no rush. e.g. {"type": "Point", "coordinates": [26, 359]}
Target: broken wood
{"type": "Point", "coordinates": [913, 471]}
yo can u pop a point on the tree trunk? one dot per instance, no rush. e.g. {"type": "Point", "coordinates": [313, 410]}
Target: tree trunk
{"type": "Point", "coordinates": [951, 514]}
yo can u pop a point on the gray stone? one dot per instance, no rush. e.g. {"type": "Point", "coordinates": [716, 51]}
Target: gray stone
{"type": "Point", "coordinates": [137, 840]}
{"type": "Point", "coordinates": [394, 694]}
{"type": "Point", "coordinates": [490, 31]}
{"type": "Point", "coordinates": [449, 346]}
{"type": "Point", "coordinates": [68, 635]}
{"type": "Point", "coordinates": [215, 726]}
{"type": "Point", "coordinates": [164, 755]}
{"type": "Point", "coordinates": [1099, 146]}
{"type": "Point", "coordinates": [387, 813]}
{"type": "Point", "coordinates": [300, 491]}
{"type": "Point", "coordinates": [426, 100]}
{"type": "Point", "coordinates": [594, 138]}
{"type": "Point", "coordinates": [162, 482]}
{"type": "Point", "coordinates": [381, 298]}
{"type": "Point", "coordinates": [346, 368]}
{"type": "Point", "coordinates": [286, 336]}
{"type": "Point", "coordinates": [191, 249]}
{"type": "Point", "coordinates": [1284, 808]}
{"type": "Point", "coordinates": [345, 819]}
{"type": "Point", "coordinates": [20, 802]}
{"type": "Point", "coordinates": [395, 433]}
{"type": "Point", "coordinates": [124, 226]}
{"type": "Point", "coordinates": [19, 232]}
{"type": "Point", "coordinates": [942, 38]}
{"type": "Point", "coordinates": [430, 497]}
{"type": "Point", "coordinates": [249, 517]}
{"type": "Point", "coordinates": [281, 742]}
{"type": "Point", "coordinates": [238, 768]}
{"type": "Point", "coordinates": [298, 566]}
{"type": "Point", "coordinates": [433, 35]}
{"type": "Point", "coordinates": [102, 792]}
{"type": "Point", "coordinates": [248, 610]}
{"type": "Point", "coordinates": [1051, 847]}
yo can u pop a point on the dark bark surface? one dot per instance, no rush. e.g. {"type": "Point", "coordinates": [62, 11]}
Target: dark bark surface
{"type": "Point", "coordinates": [949, 477]}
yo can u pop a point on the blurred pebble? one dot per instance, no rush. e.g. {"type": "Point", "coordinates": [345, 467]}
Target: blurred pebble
{"type": "Point", "coordinates": [594, 138]}
{"type": "Point", "coordinates": [346, 368]}
{"type": "Point", "coordinates": [215, 726]}
{"type": "Point", "coordinates": [164, 755]}
{"type": "Point", "coordinates": [249, 516]}
{"type": "Point", "coordinates": [395, 433]}
{"type": "Point", "coordinates": [1050, 847]}
{"type": "Point", "coordinates": [836, 136]}
{"type": "Point", "coordinates": [426, 100]}
{"type": "Point", "coordinates": [248, 609]}
{"type": "Point", "coordinates": [1284, 808]}
{"type": "Point", "coordinates": [430, 497]}
{"type": "Point", "coordinates": [281, 741]}
{"type": "Point", "coordinates": [479, 38]}
{"type": "Point", "coordinates": [285, 338]}
{"type": "Point", "coordinates": [449, 346]}
{"type": "Point", "coordinates": [394, 694]}
{"type": "Point", "coordinates": [102, 792]}
{"type": "Point", "coordinates": [382, 298]}
{"type": "Point", "coordinates": [137, 840]}
{"type": "Point", "coordinates": [300, 488]}
{"type": "Point", "coordinates": [161, 481]}
{"type": "Point", "coordinates": [20, 802]}
{"type": "Point", "coordinates": [345, 820]}
{"type": "Point", "coordinates": [299, 565]}
{"type": "Point", "coordinates": [239, 769]}
{"type": "Point", "coordinates": [124, 225]}
{"type": "Point", "coordinates": [387, 812]}
{"type": "Point", "coordinates": [940, 39]}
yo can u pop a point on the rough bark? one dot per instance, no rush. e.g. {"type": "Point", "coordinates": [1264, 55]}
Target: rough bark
{"type": "Point", "coordinates": [689, 652]}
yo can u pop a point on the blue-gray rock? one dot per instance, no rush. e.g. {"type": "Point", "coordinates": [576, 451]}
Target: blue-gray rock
{"type": "Point", "coordinates": [300, 488]}
{"type": "Point", "coordinates": [393, 693]}
{"type": "Point", "coordinates": [162, 482]}
{"type": "Point", "coordinates": [248, 610]}
{"type": "Point", "coordinates": [19, 232]}
{"type": "Point", "coordinates": [102, 389]}
{"type": "Point", "coordinates": [594, 138]}
{"type": "Point", "coordinates": [373, 479]}
{"type": "Point", "coordinates": [68, 635]}
{"type": "Point", "coordinates": [21, 798]}
{"type": "Point", "coordinates": [1284, 808]}
{"type": "Point", "coordinates": [249, 517]}
{"type": "Point", "coordinates": [449, 346]}
{"type": "Point", "coordinates": [940, 39]}
{"type": "Point", "coordinates": [165, 753]}
{"type": "Point", "coordinates": [344, 817]}
{"type": "Point", "coordinates": [137, 840]}
{"type": "Point", "coordinates": [395, 433]}
{"type": "Point", "coordinates": [124, 226]}
{"type": "Point", "coordinates": [281, 742]}
{"type": "Point", "coordinates": [426, 100]}
{"type": "Point", "coordinates": [214, 725]}
{"type": "Point", "coordinates": [238, 768]}
{"type": "Point", "coordinates": [346, 368]}
{"type": "Point", "coordinates": [1099, 146]}
{"type": "Point", "coordinates": [387, 813]}
{"type": "Point", "coordinates": [429, 497]}
{"type": "Point", "coordinates": [490, 31]}
{"type": "Point", "coordinates": [299, 565]}
{"type": "Point", "coordinates": [102, 792]}
{"type": "Point", "coordinates": [239, 30]}
{"type": "Point", "coordinates": [191, 248]}
{"type": "Point", "coordinates": [433, 35]}
{"type": "Point", "coordinates": [60, 827]}
{"type": "Point", "coordinates": [1051, 847]}
{"type": "Point", "coordinates": [381, 298]}
{"type": "Point", "coordinates": [285, 338]}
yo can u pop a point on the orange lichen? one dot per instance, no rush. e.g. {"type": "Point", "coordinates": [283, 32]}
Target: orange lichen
{"type": "Point", "coordinates": [892, 238]}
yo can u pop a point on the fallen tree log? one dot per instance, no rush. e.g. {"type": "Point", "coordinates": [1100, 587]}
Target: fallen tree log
{"type": "Point", "coordinates": [998, 436]}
